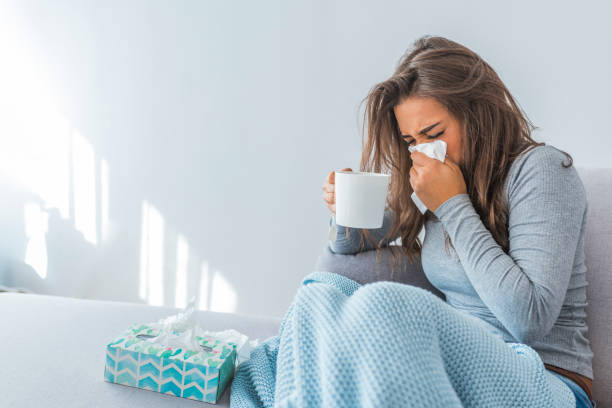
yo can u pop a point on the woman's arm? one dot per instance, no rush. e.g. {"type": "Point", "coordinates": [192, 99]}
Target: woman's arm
{"type": "Point", "coordinates": [524, 289]}
{"type": "Point", "coordinates": [351, 245]}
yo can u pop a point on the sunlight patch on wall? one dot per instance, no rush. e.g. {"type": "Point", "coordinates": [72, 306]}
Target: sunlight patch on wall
{"type": "Point", "coordinates": [104, 182]}
{"type": "Point", "coordinates": [34, 136]}
{"type": "Point", "coordinates": [35, 153]}
{"type": "Point", "coordinates": [36, 223]}
{"type": "Point", "coordinates": [84, 187]}
{"type": "Point", "coordinates": [49, 164]}
{"type": "Point", "coordinates": [151, 286]}
{"type": "Point", "coordinates": [223, 295]}
{"type": "Point", "coordinates": [204, 304]}
{"type": "Point", "coordinates": [182, 257]}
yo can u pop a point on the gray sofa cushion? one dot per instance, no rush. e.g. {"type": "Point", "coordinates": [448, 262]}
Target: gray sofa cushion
{"type": "Point", "coordinates": [598, 258]}
{"type": "Point", "coordinates": [364, 268]}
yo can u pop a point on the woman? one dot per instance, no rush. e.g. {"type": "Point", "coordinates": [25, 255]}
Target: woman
{"type": "Point", "coordinates": [504, 229]}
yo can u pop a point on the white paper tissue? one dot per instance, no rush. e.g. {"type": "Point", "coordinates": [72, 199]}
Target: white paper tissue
{"type": "Point", "coordinates": [181, 329]}
{"type": "Point", "coordinates": [435, 150]}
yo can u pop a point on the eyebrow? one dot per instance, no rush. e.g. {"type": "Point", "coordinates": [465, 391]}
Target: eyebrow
{"type": "Point", "coordinates": [427, 129]}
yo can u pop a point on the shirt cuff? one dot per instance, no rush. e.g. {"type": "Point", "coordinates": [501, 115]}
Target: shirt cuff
{"type": "Point", "coordinates": [333, 229]}
{"type": "Point", "coordinates": [446, 209]}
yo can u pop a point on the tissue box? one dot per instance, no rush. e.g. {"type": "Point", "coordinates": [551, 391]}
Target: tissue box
{"type": "Point", "coordinates": [201, 375]}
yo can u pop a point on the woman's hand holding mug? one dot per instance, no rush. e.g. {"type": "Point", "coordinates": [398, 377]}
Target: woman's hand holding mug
{"type": "Point", "coordinates": [329, 194]}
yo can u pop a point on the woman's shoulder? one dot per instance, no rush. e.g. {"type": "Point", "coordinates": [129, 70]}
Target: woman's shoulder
{"type": "Point", "coordinates": [539, 156]}
{"type": "Point", "coordinates": [543, 166]}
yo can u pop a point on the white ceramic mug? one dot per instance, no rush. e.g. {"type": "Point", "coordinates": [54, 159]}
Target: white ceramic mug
{"type": "Point", "coordinates": [361, 198]}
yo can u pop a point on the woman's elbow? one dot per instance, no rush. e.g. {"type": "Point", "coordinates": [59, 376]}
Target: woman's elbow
{"type": "Point", "coordinates": [339, 249]}
{"type": "Point", "coordinates": [531, 332]}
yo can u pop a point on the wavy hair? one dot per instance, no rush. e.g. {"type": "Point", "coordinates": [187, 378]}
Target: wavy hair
{"type": "Point", "coordinates": [495, 131]}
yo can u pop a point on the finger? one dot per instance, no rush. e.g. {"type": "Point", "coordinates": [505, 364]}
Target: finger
{"type": "Point", "coordinates": [413, 176]}
{"type": "Point", "coordinates": [330, 188]}
{"type": "Point", "coordinates": [420, 158]}
{"type": "Point", "coordinates": [331, 178]}
{"type": "Point", "coordinates": [329, 198]}
{"type": "Point", "coordinates": [416, 158]}
{"type": "Point", "coordinates": [332, 208]}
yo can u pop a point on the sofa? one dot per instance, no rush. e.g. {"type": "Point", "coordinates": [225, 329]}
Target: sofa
{"type": "Point", "coordinates": [53, 348]}
{"type": "Point", "coordinates": [364, 268]}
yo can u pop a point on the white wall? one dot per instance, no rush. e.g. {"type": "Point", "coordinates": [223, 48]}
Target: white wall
{"type": "Point", "coordinates": [214, 124]}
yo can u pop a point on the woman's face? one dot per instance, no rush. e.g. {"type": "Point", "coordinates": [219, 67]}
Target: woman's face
{"type": "Point", "coordinates": [416, 117]}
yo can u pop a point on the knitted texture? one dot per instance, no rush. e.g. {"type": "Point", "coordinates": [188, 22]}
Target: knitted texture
{"type": "Point", "coordinates": [342, 344]}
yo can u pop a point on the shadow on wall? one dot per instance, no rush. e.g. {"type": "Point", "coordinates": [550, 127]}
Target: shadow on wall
{"type": "Point", "coordinates": [57, 234]}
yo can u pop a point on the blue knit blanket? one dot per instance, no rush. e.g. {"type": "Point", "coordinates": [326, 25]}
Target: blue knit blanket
{"type": "Point", "coordinates": [342, 344]}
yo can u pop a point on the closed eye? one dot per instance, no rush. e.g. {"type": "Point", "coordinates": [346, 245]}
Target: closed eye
{"type": "Point", "coordinates": [428, 137]}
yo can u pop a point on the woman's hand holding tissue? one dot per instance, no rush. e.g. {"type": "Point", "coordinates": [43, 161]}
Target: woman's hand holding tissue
{"type": "Point", "coordinates": [435, 181]}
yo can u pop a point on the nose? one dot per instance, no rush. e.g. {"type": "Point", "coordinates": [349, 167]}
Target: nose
{"type": "Point", "coordinates": [423, 141]}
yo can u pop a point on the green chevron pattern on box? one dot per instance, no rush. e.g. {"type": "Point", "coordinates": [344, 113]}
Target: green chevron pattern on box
{"type": "Point", "coordinates": [201, 374]}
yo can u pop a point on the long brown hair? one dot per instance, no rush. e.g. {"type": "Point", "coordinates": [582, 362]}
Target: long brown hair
{"type": "Point", "coordinates": [495, 131]}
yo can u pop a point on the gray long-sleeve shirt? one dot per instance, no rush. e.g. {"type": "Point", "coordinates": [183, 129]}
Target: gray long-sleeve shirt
{"type": "Point", "coordinates": [534, 294]}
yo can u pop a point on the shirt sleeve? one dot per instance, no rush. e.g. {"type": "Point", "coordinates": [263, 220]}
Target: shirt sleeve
{"type": "Point", "coordinates": [524, 288]}
{"type": "Point", "coordinates": [351, 244]}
